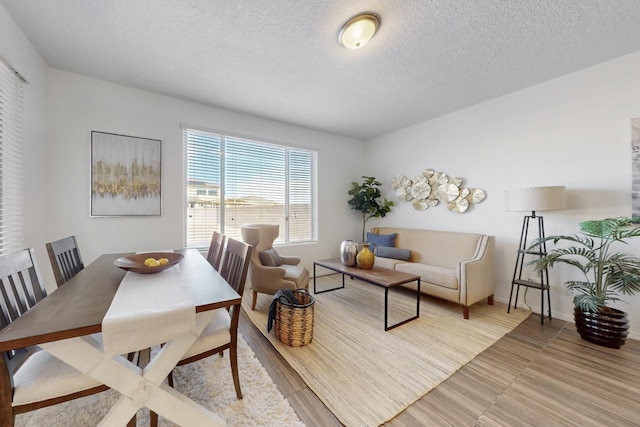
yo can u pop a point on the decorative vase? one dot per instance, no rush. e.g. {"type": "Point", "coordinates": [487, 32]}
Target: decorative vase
{"type": "Point", "coordinates": [348, 253]}
{"type": "Point", "coordinates": [608, 328]}
{"type": "Point", "coordinates": [365, 258]}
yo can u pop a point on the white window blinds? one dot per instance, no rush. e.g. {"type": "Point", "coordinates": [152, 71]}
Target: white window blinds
{"type": "Point", "coordinates": [234, 181]}
{"type": "Point", "coordinates": [11, 166]}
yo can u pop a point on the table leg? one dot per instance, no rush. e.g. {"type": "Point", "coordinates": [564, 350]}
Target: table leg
{"type": "Point", "coordinates": [139, 387]}
{"type": "Point", "coordinates": [325, 290]}
{"type": "Point", "coordinates": [386, 309]}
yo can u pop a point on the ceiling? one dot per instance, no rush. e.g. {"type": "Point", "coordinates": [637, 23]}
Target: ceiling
{"type": "Point", "coordinates": [280, 59]}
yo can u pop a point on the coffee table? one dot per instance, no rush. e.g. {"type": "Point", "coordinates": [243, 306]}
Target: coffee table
{"type": "Point", "coordinates": [382, 277]}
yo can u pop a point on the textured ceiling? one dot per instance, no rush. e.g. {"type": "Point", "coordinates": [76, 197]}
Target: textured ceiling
{"type": "Point", "coordinates": [280, 59]}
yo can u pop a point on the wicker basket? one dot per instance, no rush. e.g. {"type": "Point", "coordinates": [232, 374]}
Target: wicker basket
{"type": "Point", "coordinates": [294, 323]}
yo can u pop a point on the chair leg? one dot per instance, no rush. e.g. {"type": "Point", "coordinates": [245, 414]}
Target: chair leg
{"type": "Point", "coordinates": [255, 298]}
{"type": "Point", "coordinates": [153, 417]}
{"type": "Point", "coordinates": [6, 413]}
{"type": "Point", "coordinates": [170, 379]}
{"type": "Point", "coordinates": [233, 356]}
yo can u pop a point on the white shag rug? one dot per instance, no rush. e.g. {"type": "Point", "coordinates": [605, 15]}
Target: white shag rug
{"type": "Point", "coordinates": [207, 382]}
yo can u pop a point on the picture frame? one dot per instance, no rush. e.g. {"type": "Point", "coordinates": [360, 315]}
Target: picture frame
{"type": "Point", "coordinates": [635, 167]}
{"type": "Point", "coordinates": [126, 175]}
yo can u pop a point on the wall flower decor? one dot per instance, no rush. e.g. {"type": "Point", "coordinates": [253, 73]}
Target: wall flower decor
{"type": "Point", "coordinates": [431, 187]}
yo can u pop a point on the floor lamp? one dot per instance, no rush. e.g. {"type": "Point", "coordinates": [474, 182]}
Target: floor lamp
{"type": "Point", "coordinates": [533, 199]}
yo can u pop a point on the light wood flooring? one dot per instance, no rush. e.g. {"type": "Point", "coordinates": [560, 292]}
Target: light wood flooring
{"type": "Point", "coordinates": [537, 375]}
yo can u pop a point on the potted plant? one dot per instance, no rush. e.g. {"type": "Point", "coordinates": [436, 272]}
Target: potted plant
{"type": "Point", "coordinates": [367, 198]}
{"type": "Point", "coordinates": [606, 274]}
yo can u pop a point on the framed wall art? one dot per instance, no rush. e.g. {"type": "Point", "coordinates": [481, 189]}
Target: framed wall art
{"type": "Point", "coordinates": [125, 175]}
{"type": "Point", "coordinates": [635, 164]}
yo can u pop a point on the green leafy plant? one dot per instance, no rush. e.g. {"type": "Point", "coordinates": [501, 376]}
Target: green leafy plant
{"type": "Point", "coordinates": [367, 198]}
{"type": "Point", "coordinates": [607, 273]}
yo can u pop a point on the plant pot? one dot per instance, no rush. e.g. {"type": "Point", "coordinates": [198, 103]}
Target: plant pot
{"type": "Point", "coordinates": [608, 328]}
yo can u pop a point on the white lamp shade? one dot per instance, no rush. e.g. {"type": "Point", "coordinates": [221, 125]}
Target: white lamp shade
{"type": "Point", "coordinates": [536, 199]}
{"type": "Point", "coordinates": [358, 31]}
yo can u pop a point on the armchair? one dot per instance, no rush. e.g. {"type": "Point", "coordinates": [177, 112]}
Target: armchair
{"type": "Point", "coordinates": [270, 271]}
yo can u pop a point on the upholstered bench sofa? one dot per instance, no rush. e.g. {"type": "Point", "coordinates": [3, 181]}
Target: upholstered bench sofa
{"type": "Point", "coordinates": [454, 266]}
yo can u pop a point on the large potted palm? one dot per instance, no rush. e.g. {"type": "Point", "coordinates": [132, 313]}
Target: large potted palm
{"type": "Point", "coordinates": [606, 274]}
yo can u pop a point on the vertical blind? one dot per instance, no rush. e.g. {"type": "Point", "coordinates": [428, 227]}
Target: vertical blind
{"type": "Point", "coordinates": [232, 181]}
{"type": "Point", "coordinates": [11, 166]}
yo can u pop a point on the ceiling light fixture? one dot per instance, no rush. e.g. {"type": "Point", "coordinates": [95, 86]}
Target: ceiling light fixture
{"type": "Point", "coordinates": [358, 31]}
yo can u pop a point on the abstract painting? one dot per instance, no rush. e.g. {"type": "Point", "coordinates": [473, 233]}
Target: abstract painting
{"type": "Point", "coordinates": [125, 175]}
{"type": "Point", "coordinates": [635, 165]}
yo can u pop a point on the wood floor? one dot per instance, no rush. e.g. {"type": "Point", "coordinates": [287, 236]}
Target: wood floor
{"type": "Point", "coordinates": [537, 375]}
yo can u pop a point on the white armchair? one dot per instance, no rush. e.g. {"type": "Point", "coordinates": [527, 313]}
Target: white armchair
{"type": "Point", "coordinates": [270, 271]}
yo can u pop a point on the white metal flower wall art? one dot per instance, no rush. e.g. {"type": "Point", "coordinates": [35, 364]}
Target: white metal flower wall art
{"type": "Point", "coordinates": [431, 187]}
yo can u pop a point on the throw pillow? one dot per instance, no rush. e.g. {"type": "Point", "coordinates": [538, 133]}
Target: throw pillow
{"type": "Point", "coordinates": [270, 258]}
{"type": "Point", "coordinates": [395, 253]}
{"type": "Point", "coordinates": [382, 239]}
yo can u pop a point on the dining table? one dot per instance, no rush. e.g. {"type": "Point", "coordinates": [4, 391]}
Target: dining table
{"type": "Point", "coordinates": [66, 321]}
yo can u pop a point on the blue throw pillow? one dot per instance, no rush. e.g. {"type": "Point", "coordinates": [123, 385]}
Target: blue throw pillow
{"type": "Point", "coordinates": [382, 239]}
{"type": "Point", "coordinates": [395, 253]}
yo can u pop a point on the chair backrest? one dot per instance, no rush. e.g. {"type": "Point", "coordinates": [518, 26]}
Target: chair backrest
{"type": "Point", "coordinates": [216, 249]}
{"type": "Point", "coordinates": [21, 287]}
{"type": "Point", "coordinates": [261, 237]}
{"type": "Point", "coordinates": [65, 258]}
{"type": "Point", "coordinates": [236, 264]}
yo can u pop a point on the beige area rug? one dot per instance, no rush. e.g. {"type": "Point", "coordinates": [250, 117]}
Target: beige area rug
{"type": "Point", "coordinates": [365, 375]}
{"type": "Point", "coordinates": [207, 382]}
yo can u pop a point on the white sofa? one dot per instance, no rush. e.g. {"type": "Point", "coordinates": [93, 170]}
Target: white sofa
{"type": "Point", "coordinates": [454, 266]}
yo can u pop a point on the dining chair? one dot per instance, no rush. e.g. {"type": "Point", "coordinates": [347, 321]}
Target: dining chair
{"type": "Point", "coordinates": [216, 249]}
{"type": "Point", "coordinates": [221, 333]}
{"type": "Point", "coordinates": [65, 258]}
{"type": "Point", "coordinates": [66, 262]}
{"type": "Point", "coordinates": [31, 378]}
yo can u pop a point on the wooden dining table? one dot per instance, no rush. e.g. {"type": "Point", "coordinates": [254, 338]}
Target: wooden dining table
{"type": "Point", "coordinates": [62, 324]}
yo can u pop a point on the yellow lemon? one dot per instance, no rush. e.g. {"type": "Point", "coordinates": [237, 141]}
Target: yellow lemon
{"type": "Point", "coordinates": [163, 261]}
{"type": "Point", "coordinates": [154, 263]}
{"type": "Point", "coordinates": [148, 261]}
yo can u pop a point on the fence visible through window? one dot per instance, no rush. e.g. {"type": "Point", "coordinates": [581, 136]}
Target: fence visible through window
{"type": "Point", "coordinates": [231, 181]}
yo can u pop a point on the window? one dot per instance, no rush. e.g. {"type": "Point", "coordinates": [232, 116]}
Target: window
{"type": "Point", "coordinates": [10, 159]}
{"type": "Point", "coordinates": [247, 182]}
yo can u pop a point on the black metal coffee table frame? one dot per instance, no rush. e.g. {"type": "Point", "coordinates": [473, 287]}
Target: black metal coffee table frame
{"type": "Point", "coordinates": [382, 277]}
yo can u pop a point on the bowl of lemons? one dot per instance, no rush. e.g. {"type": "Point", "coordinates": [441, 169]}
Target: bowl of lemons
{"type": "Point", "coordinates": [148, 262]}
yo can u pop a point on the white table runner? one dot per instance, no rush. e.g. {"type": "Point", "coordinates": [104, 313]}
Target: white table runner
{"type": "Point", "coordinates": [148, 309]}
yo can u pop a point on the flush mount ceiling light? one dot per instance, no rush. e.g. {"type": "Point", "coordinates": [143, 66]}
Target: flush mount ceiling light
{"type": "Point", "coordinates": [358, 31]}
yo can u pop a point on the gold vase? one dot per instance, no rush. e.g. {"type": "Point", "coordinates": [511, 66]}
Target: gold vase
{"type": "Point", "coordinates": [365, 258]}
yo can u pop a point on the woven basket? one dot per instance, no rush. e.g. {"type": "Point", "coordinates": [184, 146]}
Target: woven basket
{"type": "Point", "coordinates": [294, 323]}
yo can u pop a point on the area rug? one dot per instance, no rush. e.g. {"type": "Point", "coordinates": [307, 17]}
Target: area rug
{"type": "Point", "coordinates": [366, 376]}
{"type": "Point", "coordinates": [207, 382]}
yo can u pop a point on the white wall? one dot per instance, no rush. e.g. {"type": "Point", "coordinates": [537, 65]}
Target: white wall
{"type": "Point", "coordinates": [573, 131]}
{"type": "Point", "coordinates": [16, 49]}
{"type": "Point", "coordinates": [77, 105]}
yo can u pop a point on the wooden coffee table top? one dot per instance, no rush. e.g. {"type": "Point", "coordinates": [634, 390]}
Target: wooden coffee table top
{"type": "Point", "coordinates": [377, 275]}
